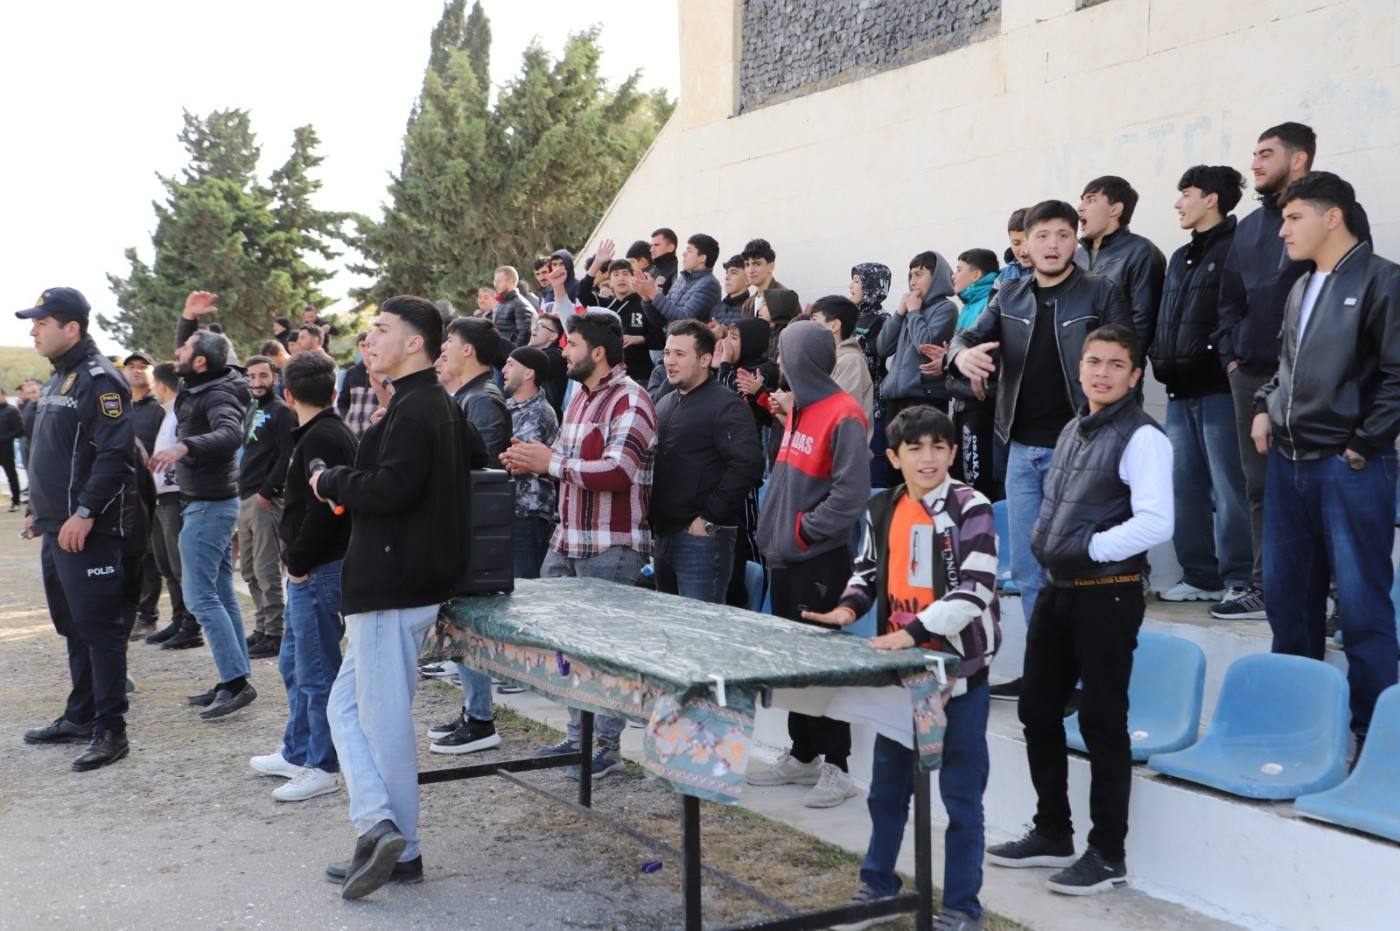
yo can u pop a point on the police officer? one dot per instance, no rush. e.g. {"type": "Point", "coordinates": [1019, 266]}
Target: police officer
{"type": "Point", "coordinates": [81, 471]}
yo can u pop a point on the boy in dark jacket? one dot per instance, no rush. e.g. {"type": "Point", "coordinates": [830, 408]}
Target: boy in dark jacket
{"type": "Point", "coordinates": [816, 493]}
{"type": "Point", "coordinates": [314, 539]}
{"type": "Point", "coordinates": [928, 565]}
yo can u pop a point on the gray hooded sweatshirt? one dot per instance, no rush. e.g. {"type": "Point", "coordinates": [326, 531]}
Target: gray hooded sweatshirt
{"type": "Point", "coordinates": [903, 334]}
{"type": "Point", "coordinates": [821, 480]}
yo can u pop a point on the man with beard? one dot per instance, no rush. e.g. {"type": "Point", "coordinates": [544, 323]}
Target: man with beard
{"type": "Point", "coordinates": [1254, 286]}
{"type": "Point", "coordinates": [80, 478]}
{"type": "Point", "coordinates": [1048, 315]}
{"type": "Point", "coordinates": [262, 477]}
{"type": "Point", "coordinates": [210, 413]}
{"type": "Point", "coordinates": [603, 462]}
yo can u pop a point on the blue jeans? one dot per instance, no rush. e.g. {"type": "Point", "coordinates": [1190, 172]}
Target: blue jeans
{"type": "Point", "coordinates": [1214, 550]}
{"type": "Point", "coordinates": [616, 564]}
{"type": "Point", "coordinates": [476, 693]}
{"type": "Point", "coordinates": [1323, 519]}
{"type": "Point", "coordinates": [371, 717]}
{"type": "Point", "coordinates": [961, 782]}
{"type": "Point", "coordinates": [695, 567]}
{"type": "Point", "coordinates": [309, 662]}
{"type": "Point", "coordinates": [531, 543]}
{"type": "Point", "coordinates": [206, 577]}
{"type": "Point", "coordinates": [1026, 469]}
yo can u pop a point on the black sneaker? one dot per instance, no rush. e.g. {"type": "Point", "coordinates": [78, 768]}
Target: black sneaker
{"type": "Point", "coordinates": [1007, 691]}
{"type": "Point", "coordinates": [107, 747]}
{"type": "Point", "coordinates": [254, 638]}
{"type": "Point", "coordinates": [406, 872]}
{"type": "Point", "coordinates": [448, 728]}
{"type": "Point", "coordinates": [1240, 604]}
{"type": "Point", "coordinates": [203, 699]}
{"type": "Point", "coordinates": [186, 638]}
{"type": "Point", "coordinates": [1091, 873]}
{"type": "Point", "coordinates": [1035, 849]}
{"type": "Point", "coordinates": [474, 735]}
{"type": "Point", "coordinates": [226, 702]}
{"type": "Point", "coordinates": [268, 646]}
{"type": "Point", "coordinates": [61, 731]}
{"type": "Point", "coordinates": [143, 628]}
{"type": "Point", "coordinates": [164, 633]}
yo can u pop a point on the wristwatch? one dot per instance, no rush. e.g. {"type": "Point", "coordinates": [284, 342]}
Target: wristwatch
{"type": "Point", "coordinates": [1355, 461]}
{"type": "Point", "coordinates": [711, 528]}
{"type": "Point", "coordinates": [82, 512]}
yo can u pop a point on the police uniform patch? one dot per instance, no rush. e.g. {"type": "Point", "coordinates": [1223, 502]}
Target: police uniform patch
{"type": "Point", "coordinates": [68, 383]}
{"type": "Point", "coordinates": [111, 404]}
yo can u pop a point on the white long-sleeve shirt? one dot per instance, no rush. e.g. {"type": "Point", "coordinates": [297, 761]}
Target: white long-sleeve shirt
{"type": "Point", "coordinates": [1146, 468]}
{"type": "Point", "coordinates": [166, 438]}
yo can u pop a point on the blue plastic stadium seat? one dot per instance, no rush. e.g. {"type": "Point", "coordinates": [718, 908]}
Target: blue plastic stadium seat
{"type": "Point", "coordinates": [1368, 800]}
{"type": "Point", "coordinates": [1164, 697]}
{"type": "Point", "coordinates": [1003, 549]}
{"type": "Point", "coordinates": [756, 584]}
{"type": "Point", "coordinates": [1279, 731]}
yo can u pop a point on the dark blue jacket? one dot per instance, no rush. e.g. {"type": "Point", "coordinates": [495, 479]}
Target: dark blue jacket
{"type": "Point", "coordinates": [83, 450]}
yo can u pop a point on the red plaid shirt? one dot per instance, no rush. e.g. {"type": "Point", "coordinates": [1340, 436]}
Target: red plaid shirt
{"type": "Point", "coordinates": [603, 461]}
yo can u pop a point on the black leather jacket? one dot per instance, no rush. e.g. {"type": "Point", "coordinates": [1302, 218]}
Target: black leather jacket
{"type": "Point", "coordinates": [1138, 267]}
{"type": "Point", "coordinates": [1343, 392]}
{"type": "Point", "coordinates": [1087, 302]}
{"type": "Point", "coordinates": [1184, 354]}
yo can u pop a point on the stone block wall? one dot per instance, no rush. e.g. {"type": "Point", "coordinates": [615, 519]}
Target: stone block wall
{"type": "Point", "coordinates": [794, 47]}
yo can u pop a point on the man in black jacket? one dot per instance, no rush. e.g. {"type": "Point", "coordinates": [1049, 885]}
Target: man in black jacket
{"type": "Point", "coordinates": [262, 473]}
{"type": "Point", "coordinates": [708, 458]}
{"type": "Point", "coordinates": [1254, 287]}
{"type": "Point", "coordinates": [1108, 248]}
{"type": "Point", "coordinates": [147, 415]}
{"type": "Point", "coordinates": [211, 411]}
{"type": "Point", "coordinates": [1037, 324]}
{"type": "Point", "coordinates": [314, 538]}
{"type": "Point", "coordinates": [664, 264]}
{"type": "Point", "coordinates": [11, 430]}
{"type": "Point", "coordinates": [408, 553]}
{"type": "Point", "coordinates": [1327, 420]}
{"type": "Point", "coordinates": [1211, 538]}
{"type": "Point", "coordinates": [80, 479]}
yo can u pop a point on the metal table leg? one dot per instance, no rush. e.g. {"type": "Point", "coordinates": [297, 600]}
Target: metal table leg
{"type": "Point", "coordinates": [690, 855]}
{"type": "Point", "coordinates": [923, 849]}
{"type": "Point", "coordinates": [585, 766]}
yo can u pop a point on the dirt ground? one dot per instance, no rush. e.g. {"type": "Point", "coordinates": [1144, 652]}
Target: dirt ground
{"type": "Point", "coordinates": [183, 834]}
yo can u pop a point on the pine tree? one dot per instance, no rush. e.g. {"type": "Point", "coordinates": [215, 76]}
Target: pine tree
{"type": "Point", "coordinates": [221, 230]}
{"type": "Point", "coordinates": [481, 186]}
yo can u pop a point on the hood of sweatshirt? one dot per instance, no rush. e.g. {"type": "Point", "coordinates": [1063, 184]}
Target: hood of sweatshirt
{"type": "Point", "coordinates": [754, 334]}
{"type": "Point", "coordinates": [874, 285]}
{"type": "Point", "coordinates": [568, 258]}
{"type": "Point", "coordinates": [807, 353]}
{"type": "Point", "coordinates": [782, 305]}
{"type": "Point", "coordinates": [942, 287]}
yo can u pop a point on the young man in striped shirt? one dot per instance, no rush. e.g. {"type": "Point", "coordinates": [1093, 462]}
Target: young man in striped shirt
{"type": "Point", "coordinates": [928, 565]}
{"type": "Point", "coordinates": [603, 463]}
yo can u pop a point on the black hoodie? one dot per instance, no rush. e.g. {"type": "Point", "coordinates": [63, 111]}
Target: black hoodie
{"type": "Point", "coordinates": [754, 336]}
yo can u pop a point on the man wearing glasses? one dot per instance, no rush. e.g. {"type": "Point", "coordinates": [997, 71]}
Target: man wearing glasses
{"type": "Point", "coordinates": [545, 336]}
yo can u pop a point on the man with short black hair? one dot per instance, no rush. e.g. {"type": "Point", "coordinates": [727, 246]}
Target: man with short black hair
{"type": "Point", "coordinates": [356, 400]}
{"type": "Point", "coordinates": [80, 477]}
{"type": "Point", "coordinates": [546, 336]}
{"type": "Point", "coordinates": [513, 315]}
{"type": "Point", "coordinates": [12, 430]}
{"type": "Point", "coordinates": [663, 257]}
{"type": "Point", "coordinates": [1327, 420]}
{"type": "Point", "coordinates": [408, 553]}
{"type": "Point", "coordinates": [1212, 538]}
{"type": "Point", "coordinates": [262, 475]}
{"type": "Point", "coordinates": [693, 294]}
{"type": "Point", "coordinates": [1254, 287]}
{"type": "Point", "coordinates": [146, 417]}
{"type": "Point", "coordinates": [532, 418]}
{"type": "Point", "coordinates": [166, 521]}
{"type": "Point", "coordinates": [211, 412]}
{"type": "Point", "coordinates": [708, 458]}
{"type": "Point", "coordinates": [759, 259]}
{"type": "Point", "coordinates": [915, 337]}
{"type": "Point", "coordinates": [1037, 326]}
{"type": "Point", "coordinates": [838, 315]}
{"type": "Point", "coordinates": [729, 310]}
{"type": "Point", "coordinates": [309, 339]}
{"type": "Point", "coordinates": [1107, 502]}
{"type": "Point", "coordinates": [639, 335]}
{"type": "Point", "coordinates": [603, 462]}
{"type": "Point", "coordinates": [1107, 247]}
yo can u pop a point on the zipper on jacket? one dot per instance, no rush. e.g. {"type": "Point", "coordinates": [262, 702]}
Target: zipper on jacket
{"type": "Point", "coordinates": [1060, 351]}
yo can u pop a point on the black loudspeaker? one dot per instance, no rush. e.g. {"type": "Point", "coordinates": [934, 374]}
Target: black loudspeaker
{"type": "Point", "coordinates": [491, 567]}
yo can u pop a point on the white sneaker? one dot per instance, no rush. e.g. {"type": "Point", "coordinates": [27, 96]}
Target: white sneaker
{"type": "Point", "coordinates": [274, 764]}
{"type": "Point", "coordinates": [1182, 591]}
{"type": "Point", "coordinates": [308, 783]}
{"type": "Point", "coordinates": [786, 772]}
{"type": "Point", "coordinates": [833, 787]}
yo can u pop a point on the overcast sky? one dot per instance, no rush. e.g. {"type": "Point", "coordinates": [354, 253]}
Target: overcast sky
{"type": "Point", "coordinates": [93, 93]}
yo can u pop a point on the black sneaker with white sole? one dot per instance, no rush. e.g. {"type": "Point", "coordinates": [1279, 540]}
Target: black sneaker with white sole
{"type": "Point", "coordinates": [469, 738]}
{"type": "Point", "coordinates": [448, 728]}
{"type": "Point", "coordinates": [1034, 849]}
{"type": "Point", "coordinates": [1090, 874]}
{"type": "Point", "coordinates": [1006, 691]}
{"type": "Point", "coordinates": [1240, 604]}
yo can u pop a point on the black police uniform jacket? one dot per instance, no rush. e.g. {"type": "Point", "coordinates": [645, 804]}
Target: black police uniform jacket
{"type": "Point", "coordinates": [82, 453]}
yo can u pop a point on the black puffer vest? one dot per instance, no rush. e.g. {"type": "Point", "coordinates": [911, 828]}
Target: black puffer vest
{"type": "Point", "coordinates": [1084, 495]}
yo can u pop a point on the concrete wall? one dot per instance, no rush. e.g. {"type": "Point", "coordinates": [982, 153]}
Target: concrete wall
{"type": "Point", "coordinates": [936, 154]}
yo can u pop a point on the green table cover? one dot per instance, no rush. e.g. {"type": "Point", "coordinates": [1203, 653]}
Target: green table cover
{"type": "Point", "coordinates": [692, 672]}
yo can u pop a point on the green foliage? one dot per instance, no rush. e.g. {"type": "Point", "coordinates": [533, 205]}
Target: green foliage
{"type": "Point", "coordinates": [482, 185]}
{"type": "Point", "coordinates": [18, 363]}
{"type": "Point", "coordinates": [222, 230]}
